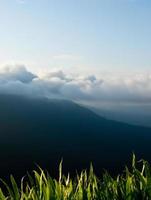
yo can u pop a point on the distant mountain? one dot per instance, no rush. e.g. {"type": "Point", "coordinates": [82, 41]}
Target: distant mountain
{"type": "Point", "coordinates": [135, 115]}
{"type": "Point", "coordinates": [43, 131]}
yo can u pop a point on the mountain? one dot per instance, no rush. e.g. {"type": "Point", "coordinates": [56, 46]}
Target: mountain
{"type": "Point", "coordinates": [42, 131]}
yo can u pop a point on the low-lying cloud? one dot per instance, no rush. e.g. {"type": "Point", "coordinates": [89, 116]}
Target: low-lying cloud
{"type": "Point", "coordinates": [134, 88]}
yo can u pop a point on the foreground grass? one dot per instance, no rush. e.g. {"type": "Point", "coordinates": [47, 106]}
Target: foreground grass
{"type": "Point", "coordinates": [132, 184]}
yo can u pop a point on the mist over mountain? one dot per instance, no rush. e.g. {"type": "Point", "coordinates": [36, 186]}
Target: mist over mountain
{"type": "Point", "coordinates": [134, 88]}
{"type": "Point", "coordinates": [42, 131]}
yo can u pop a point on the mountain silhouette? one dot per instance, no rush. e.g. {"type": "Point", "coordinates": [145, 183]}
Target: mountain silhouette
{"type": "Point", "coordinates": [43, 131]}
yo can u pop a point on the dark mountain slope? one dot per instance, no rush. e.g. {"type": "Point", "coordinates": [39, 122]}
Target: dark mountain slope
{"type": "Point", "coordinates": [44, 131]}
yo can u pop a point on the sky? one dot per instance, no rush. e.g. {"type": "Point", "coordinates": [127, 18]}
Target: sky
{"type": "Point", "coordinates": [82, 36]}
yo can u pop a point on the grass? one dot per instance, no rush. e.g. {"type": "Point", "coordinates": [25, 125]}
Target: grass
{"type": "Point", "coordinates": [132, 184]}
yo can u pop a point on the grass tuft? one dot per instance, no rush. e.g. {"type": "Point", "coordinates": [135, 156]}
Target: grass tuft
{"type": "Point", "coordinates": [130, 185]}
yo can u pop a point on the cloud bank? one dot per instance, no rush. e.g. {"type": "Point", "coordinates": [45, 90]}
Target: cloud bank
{"type": "Point", "coordinates": [57, 84]}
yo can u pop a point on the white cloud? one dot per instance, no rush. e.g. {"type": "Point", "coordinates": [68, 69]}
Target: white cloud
{"type": "Point", "coordinates": [14, 73]}
{"type": "Point", "coordinates": [65, 57]}
{"type": "Point", "coordinates": [134, 88]}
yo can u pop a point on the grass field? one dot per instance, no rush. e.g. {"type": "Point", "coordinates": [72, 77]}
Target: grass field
{"type": "Point", "coordinates": [132, 184]}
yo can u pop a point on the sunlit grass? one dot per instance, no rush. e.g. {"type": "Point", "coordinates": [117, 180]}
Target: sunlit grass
{"type": "Point", "coordinates": [132, 184]}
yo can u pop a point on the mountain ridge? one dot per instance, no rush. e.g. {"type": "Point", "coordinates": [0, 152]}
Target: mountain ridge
{"type": "Point", "coordinates": [42, 131]}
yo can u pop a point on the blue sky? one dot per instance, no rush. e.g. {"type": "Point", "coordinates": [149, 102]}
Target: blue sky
{"type": "Point", "coordinates": [105, 35]}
